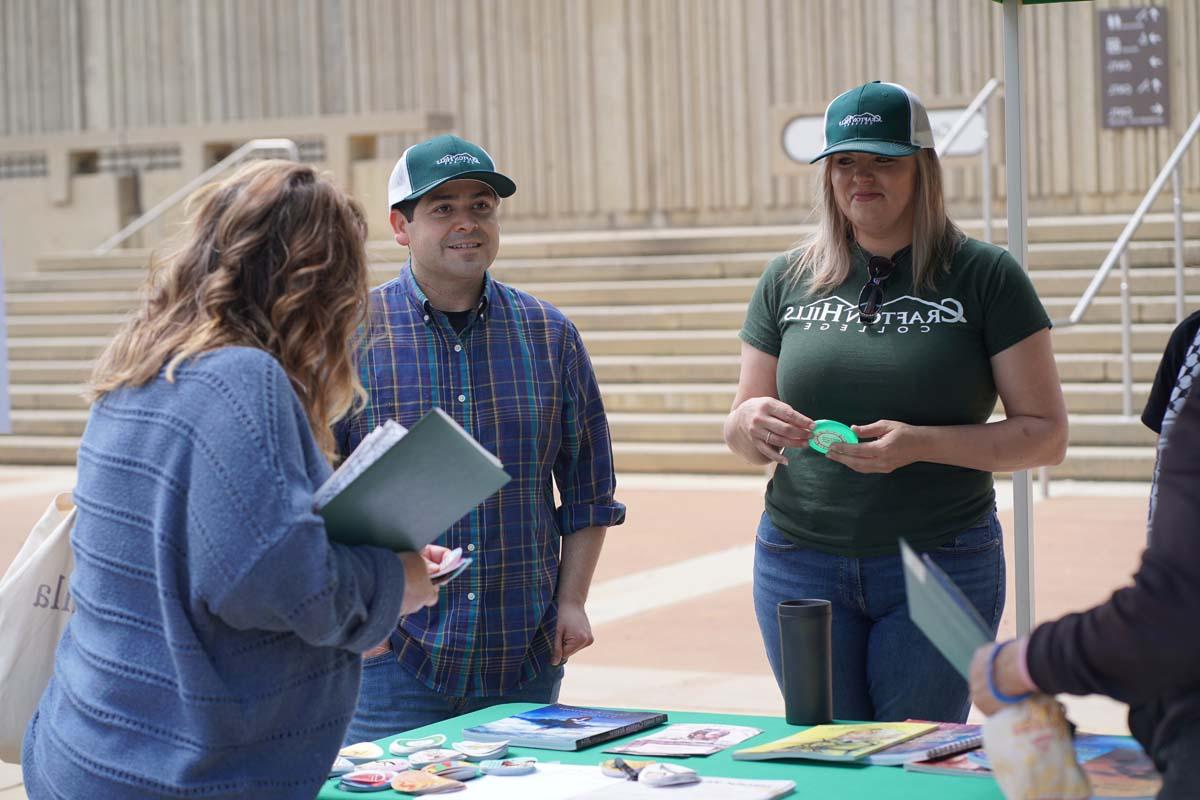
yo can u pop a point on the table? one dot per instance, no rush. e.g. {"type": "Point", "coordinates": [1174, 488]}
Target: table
{"type": "Point", "coordinates": [814, 779]}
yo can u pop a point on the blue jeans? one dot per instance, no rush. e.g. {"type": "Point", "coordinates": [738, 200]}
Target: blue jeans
{"type": "Point", "coordinates": [884, 669]}
{"type": "Point", "coordinates": [391, 700]}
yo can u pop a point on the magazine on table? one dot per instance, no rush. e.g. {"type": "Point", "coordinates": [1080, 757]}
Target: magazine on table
{"type": "Point", "coordinates": [948, 739]}
{"type": "Point", "coordinates": [1116, 766]}
{"type": "Point", "coordinates": [562, 727]}
{"type": "Point", "coordinates": [851, 742]}
{"type": "Point", "coordinates": [402, 488]}
{"type": "Point", "coordinates": [688, 739]}
{"type": "Point", "coordinates": [959, 764]}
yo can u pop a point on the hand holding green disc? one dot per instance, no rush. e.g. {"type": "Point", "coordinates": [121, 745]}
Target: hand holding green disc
{"type": "Point", "coordinates": [827, 432]}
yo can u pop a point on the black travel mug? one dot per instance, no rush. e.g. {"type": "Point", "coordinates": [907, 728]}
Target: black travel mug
{"type": "Point", "coordinates": [805, 628]}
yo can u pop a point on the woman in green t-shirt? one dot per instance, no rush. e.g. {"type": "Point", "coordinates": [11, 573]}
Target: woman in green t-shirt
{"type": "Point", "coordinates": [892, 321]}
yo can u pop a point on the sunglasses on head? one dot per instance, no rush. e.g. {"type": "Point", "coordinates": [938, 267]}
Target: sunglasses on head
{"type": "Point", "coordinates": [870, 299]}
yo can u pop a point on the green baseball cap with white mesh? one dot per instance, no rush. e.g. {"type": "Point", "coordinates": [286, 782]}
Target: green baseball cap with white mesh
{"type": "Point", "coordinates": [431, 163]}
{"type": "Point", "coordinates": [881, 118]}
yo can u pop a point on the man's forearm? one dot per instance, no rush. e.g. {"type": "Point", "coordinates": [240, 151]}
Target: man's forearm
{"type": "Point", "coordinates": [580, 552]}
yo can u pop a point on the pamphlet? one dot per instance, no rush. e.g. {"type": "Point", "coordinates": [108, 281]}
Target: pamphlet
{"type": "Point", "coordinates": [401, 489]}
{"type": "Point", "coordinates": [560, 727]}
{"type": "Point", "coordinates": [948, 739]}
{"type": "Point", "coordinates": [941, 610]}
{"type": "Point", "coordinates": [706, 789]}
{"type": "Point", "coordinates": [688, 740]}
{"type": "Point", "coordinates": [1116, 766]}
{"type": "Point", "coordinates": [837, 742]}
{"type": "Point", "coordinates": [960, 764]}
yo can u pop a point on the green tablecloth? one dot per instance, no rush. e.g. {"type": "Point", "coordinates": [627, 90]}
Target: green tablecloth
{"type": "Point", "coordinates": [813, 779]}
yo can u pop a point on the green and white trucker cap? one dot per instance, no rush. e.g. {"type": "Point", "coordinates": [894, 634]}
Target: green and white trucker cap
{"type": "Point", "coordinates": [881, 118]}
{"type": "Point", "coordinates": [444, 158]}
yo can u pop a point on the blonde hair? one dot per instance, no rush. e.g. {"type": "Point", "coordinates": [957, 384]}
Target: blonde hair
{"type": "Point", "coordinates": [274, 258]}
{"type": "Point", "coordinates": [823, 258]}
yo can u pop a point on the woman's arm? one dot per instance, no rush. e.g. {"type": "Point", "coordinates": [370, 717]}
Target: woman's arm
{"type": "Point", "coordinates": [1034, 432]}
{"type": "Point", "coordinates": [758, 414]}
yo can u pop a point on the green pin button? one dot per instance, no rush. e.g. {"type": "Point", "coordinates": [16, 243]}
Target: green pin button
{"type": "Point", "coordinates": [828, 432]}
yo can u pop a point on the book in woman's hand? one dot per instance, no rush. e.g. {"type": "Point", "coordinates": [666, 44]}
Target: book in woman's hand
{"type": "Point", "coordinates": [401, 489]}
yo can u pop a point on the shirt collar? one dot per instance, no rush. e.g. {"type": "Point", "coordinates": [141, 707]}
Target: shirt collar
{"type": "Point", "coordinates": [412, 290]}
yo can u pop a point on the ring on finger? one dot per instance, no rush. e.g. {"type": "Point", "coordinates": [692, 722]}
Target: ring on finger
{"type": "Point", "coordinates": [768, 440]}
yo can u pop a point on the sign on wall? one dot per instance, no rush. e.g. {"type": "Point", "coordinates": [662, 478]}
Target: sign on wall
{"type": "Point", "coordinates": [1134, 87]}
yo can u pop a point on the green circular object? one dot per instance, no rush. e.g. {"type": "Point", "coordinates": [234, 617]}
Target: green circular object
{"type": "Point", "coordinates": [827, 432]}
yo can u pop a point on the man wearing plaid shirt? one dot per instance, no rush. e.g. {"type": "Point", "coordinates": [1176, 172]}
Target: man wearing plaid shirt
{"type": "Point", "coordinates": [512, 370]}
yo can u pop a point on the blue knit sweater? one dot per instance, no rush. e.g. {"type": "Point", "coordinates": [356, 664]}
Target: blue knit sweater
{"type": "Point", "coordinates": [214, 647]}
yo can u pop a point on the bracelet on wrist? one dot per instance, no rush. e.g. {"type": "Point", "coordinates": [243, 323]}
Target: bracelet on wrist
{"type": "Point", "coordinates": [1007, 699]}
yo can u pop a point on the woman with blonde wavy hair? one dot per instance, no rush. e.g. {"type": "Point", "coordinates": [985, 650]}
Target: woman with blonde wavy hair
{"type": "Point", "coordinates": [888, 319]}
{"type": "Point", "coordinates": [214, 649]}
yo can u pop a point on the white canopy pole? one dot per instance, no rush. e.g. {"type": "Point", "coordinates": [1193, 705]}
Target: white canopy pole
{"type": "Point", "coordinates": [1014, 168]}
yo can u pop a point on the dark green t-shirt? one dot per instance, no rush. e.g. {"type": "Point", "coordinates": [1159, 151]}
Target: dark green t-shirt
{"type": "Point", "coordinates": [926, 361]}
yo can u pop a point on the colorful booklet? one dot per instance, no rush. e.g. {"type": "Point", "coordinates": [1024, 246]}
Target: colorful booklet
{"type": "Point", "coordinates": [560, 727]}
{"type": "Point", "coordinates": [838, 742]}
{"type": "Point", "coordinates": [688, 740]}
{"type": "Point", "coordinates": [960, 764]}
{"type": "Point", "coordinates": [948, 739]}
{"type": "Point", "coordinates": [1116, 767]}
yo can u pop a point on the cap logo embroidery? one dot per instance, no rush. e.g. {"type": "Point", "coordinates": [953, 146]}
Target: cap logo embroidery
{"type": "Point", "coordinates": [457, 158]}
{"type": "Point", "coordinates": [865, 118]}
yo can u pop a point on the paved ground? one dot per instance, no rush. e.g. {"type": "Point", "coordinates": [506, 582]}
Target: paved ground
{"type": "Point", "coordinates": [671, 604]}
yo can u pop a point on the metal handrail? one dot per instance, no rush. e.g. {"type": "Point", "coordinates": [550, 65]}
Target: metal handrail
{"type": "Point", "coordinates": [977, 106]}
{"type": "Point", "coordinates": [236, 157]}
{"type": "Point", "coordinates": [972, 109]}
{"type": "Point", "coordinates": [1131, 227]}
{"type": "Point", "coordinates": [1119, 255]}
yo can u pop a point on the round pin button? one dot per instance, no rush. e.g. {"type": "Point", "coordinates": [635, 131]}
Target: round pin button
{"type": "Point", "coordinates": [827, 432]}
{"type": "Point", "coordinates": [402, 747]}
{"type": "Point", "coordinates": [509, 766]}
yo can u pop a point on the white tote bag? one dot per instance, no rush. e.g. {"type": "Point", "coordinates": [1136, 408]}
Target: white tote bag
{"type": "Point", "coordinates": [34, 608]}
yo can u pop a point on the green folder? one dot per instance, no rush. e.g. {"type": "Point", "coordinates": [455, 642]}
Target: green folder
{"type": "Point", "coordinates": [941, 611]}
{"type": "Point", "coordinates": [408, 487]}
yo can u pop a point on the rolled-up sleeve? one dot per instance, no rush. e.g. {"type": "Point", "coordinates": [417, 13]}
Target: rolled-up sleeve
{"type": "Point", "coordinates": [584, 469]}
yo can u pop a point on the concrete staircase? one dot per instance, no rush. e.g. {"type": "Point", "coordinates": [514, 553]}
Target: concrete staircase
{"type": "Point", "coordinates": [659, 311]}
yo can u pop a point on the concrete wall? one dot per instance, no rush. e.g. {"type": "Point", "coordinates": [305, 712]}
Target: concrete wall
{"type": "Point", "coordinates": [606, 112]}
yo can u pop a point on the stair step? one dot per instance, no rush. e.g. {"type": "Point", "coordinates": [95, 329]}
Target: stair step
{"type": "Point", "coordinates": [48, 348]}
{"type": "Point", "coordinates": [54, 371]}
{"type": "Point", "coordinates": [49, 325]}
{"type": "Point", "coordinates": [1081, 463]}
{"type": "Point", "coordinates": [1104, 430]}
{"type": "Point", "coordinates": [28, 422]}
{"type": "Point", "coordinates": [715, 398]}
{"type": "Point", "coordinates": [38, 450]}
{"type": "Point", "coordinates": [1106, 464]}
{"type": "Point", "coordinates": [46, 397]}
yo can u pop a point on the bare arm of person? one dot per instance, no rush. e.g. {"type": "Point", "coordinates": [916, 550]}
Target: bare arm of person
{"type": "Point", "coordinates": [760, 425]}
{"type": "Point", "coordinates": [580, 552]}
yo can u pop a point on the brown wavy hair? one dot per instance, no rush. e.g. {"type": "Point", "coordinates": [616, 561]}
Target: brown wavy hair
{"type": "Point", "coordinates": [273, 257]}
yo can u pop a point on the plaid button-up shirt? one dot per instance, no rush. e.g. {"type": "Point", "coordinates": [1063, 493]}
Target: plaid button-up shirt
{"type": "Point", "coordinates": [519, 380]}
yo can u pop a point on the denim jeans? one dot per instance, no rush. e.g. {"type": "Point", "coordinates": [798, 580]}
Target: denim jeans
{"type": "Point", "coordinates": [391, 700]}
{"type": "Point", "coordinates": [884, 669]}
